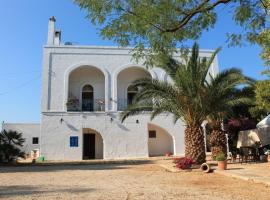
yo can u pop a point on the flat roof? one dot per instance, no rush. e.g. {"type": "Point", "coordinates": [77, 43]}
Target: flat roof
{"type": "Point", "coordinates": [107, 47]}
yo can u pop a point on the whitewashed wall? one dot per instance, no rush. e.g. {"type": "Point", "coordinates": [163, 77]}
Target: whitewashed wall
{"type": "Point", "coordinates": [28, 131]}
{"type": "Point", "coordinates": [120, 140]}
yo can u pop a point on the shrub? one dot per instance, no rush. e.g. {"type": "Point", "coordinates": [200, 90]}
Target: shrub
{"type": "Point", "coordinates": [10, 141]}
{"type": "Point", "coordinates": [221, 157]}
{"type": "Point", "coordinates": [183, 163]}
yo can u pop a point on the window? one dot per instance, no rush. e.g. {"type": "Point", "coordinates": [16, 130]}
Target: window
{"type": "Point", "coordinates": [152, 134]}
{"type": "Point", "coordinates": [35, 140]}
{"type": "Point", "coordinates": [73, 142]}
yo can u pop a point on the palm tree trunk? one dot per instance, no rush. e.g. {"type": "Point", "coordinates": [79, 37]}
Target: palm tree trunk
{"type": "Point", "coordinates": [195, 144]}
{"type": "Point", "coordinates": [218, 143]}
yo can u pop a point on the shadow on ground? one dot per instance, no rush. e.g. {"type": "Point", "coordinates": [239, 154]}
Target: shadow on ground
{"type": "Point", "coordinates": [18, 190]}
{"type": "Point", "coordinates": [68, 166]}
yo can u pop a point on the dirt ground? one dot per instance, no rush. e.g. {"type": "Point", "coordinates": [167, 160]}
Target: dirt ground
{"type": "Point", "coordinates": [115, 181]}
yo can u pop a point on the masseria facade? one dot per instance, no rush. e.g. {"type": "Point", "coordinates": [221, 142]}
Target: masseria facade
{"type": "Point", "coordinates": [84, 90]}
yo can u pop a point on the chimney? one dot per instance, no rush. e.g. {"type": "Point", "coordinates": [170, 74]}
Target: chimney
{"type": "Point", "coordinates": [57, 37]}
{"type": "Point", "coordinates": [54, 37]}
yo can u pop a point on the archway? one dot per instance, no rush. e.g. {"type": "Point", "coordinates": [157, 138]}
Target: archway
{"type": "Point", "coordinates": [92, 147]}
{"type": "Point", "coordinates": [126, 92]}
{"type": "Point", "coordinates": [86, 89]}
{"type": "Point", "coordinates": [160, 142]}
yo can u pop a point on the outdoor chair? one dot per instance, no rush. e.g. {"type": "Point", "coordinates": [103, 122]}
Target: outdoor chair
{"type": "Point", "coordinates": [232, 156]}
{"type": "Point", "coordinates": [247, 154]}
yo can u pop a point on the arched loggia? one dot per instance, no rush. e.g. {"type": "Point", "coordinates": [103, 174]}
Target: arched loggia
{"type": "Point", "coordinates": [76, 78]}
{"type": "Point", "coordinates": [123, 90]}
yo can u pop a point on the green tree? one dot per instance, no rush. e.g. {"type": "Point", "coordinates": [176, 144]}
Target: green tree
{"type": "Point", "coordinates": [262, 100]}
{"type": "Point", "coordinates": [164, 25]}
{"type": "Point", "coordinates": [10, 141]}
{"type": "Point", "coordinates": [192, 97]}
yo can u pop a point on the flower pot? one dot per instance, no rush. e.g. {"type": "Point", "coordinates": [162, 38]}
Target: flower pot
{"type": "Point", "coordinates": [168, 154]}
{"type": "Point", "coordinates": [222, 165]}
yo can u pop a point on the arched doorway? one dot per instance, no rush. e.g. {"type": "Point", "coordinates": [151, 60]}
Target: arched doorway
{"type": "Point", "coordinates": [160, 142]}
{"type": "Point", "coordinates": [131, 92]}
{"type": "Point", "coordinates": [92, 144]}
{"type": "Point", "coordinates": [87, 98]}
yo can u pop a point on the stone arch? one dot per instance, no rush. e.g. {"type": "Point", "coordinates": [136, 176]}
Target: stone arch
{"type": "Point", "coordinates": [160, 141]}
{"type": "Point", "coordinates": [98, 145]}
{"type": "Point", "coordinates": [115, 77]}
{"type": "Point", "coordinates": [73, 68]}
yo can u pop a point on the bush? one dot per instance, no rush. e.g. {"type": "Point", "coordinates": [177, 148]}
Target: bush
{"type": "Point", "coordinates": [10, 141]}
{"type": "Point", "coordinates": [183, 163]}
{"type": "Point", "coordinates": [221, 157]}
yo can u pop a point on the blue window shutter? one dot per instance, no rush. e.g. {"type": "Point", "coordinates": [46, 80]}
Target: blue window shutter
{"type": "Point", "coordinates": [74, 141]}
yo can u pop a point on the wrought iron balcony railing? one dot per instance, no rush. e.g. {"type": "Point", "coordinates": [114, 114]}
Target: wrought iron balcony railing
{"type": "Point", "coordinates": [87, 105]}
{"type": "Point", "coordinates": [122, 104]}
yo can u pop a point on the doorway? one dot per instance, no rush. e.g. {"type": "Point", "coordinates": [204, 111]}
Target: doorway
{"type": "Point", "coordinates": [89, 141]}
{"type": "Point", "coordinates": [88, 98]}
{"type": "Point", "coordinates": [131, 92]}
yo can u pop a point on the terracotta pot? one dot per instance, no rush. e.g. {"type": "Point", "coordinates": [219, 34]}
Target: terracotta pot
{"type": "Point", "coordinates": [268, 158]}
{"type": "Point", "coordinates": [168, 154]}
{"type": "Point", "coordinates": [222, 165]}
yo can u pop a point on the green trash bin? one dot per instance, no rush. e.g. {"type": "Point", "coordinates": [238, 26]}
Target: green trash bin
{"type": "Point", "coordinates": [41, 159]}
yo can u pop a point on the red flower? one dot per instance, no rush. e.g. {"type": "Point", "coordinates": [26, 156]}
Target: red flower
{"type": "Point", "coordinates": [183, 163]}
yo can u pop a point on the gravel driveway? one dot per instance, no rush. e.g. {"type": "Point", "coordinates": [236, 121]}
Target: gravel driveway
{"type": "Point", "coordinates": [115, 181]}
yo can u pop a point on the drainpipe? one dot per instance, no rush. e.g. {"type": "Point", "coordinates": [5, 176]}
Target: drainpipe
{"type": "Point", "coordinates": [40, 139]}
{"type": "Point", "coordinates": [203, 125]}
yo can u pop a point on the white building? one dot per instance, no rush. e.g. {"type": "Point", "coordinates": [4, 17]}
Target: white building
{"type": "Point", "coordinates": [84, 89]}
{"type": "Point", "coordinates": [31, 134]}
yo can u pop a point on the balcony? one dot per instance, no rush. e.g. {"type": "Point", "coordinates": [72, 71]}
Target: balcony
{"type": "Point", "coordinates": [96, 105]}
{"type": "Point", "coordinates": [122, 104]}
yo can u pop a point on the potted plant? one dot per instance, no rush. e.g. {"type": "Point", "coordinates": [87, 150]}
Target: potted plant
{"type": "Point", "coordinates": [100, 103]}
{"type": "Point", "coordinates": [72, 104]}
{"type": "Point", "coordinates": [222, 161]}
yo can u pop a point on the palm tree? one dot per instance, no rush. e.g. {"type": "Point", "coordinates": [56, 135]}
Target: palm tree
{"type": "Point", "coordinates": [183, 98]}
{"type": "Point", "coordinates": [10, 141]}
{"type": "Point", "coordinates": [224, 94]}
{"type": "Point", "coordinates": [187, 98]}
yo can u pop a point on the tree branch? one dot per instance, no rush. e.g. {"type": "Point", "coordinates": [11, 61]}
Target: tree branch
{"type": "Point", "coordinates": [135, 14]}
{"type": "Point", "coordinates": [195, 11]}
{"type": "Point", "coordinates": [187, 15]}
{"type": "Point", "coordinates": [265, 6]}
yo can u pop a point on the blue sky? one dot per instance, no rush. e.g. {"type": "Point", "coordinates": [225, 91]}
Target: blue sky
{"type": "Point", "coordinates": [24, 32]}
